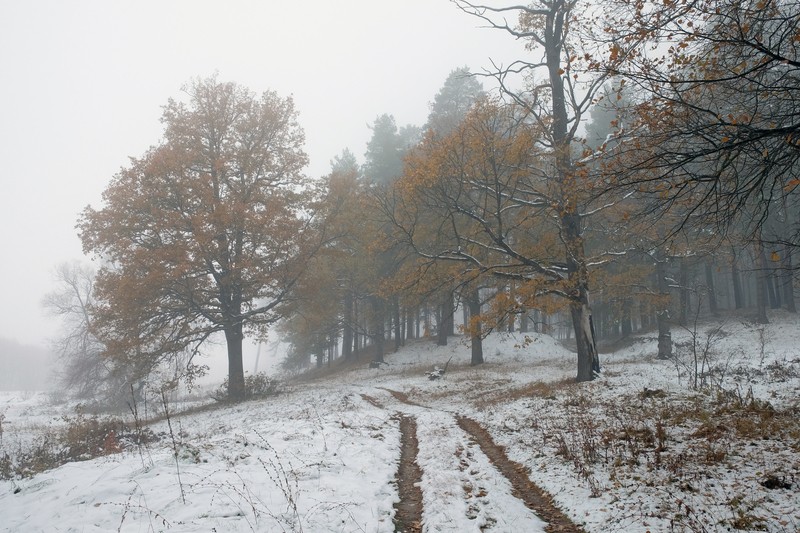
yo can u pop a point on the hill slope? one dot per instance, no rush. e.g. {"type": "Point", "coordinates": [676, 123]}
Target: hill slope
{"type": "Point", "coordinates": [650, 445]}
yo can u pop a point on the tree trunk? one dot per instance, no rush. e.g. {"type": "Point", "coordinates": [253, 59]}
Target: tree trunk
{"type": "Point", "coordinates": [233, 340]}
{"type": "Point", "coordinates": [379, 325]}
{"type": "Point", "coordinates": [683, 281]}
{"type": "Point", "coordinates": [778, 285]}
{"type": "Point", "coordinates": [398, 326]}
{"type": "Point", "coordinates": [355, 328]}
{"type": "Point", "coordinates": [512, 315]}
{"type": "Point", "coordinates": [768, 274]}
{"type": "Point", "coordinates": [450, 311]}
{"type": "Point", "coordinates": [347, 327]}
{"type": "Point", "coordinates": [664, 337]}
{"type": "Point", "coordinates": [601, 321]}
{"type": "Point", "coordinates": [712, 295]}
{"type": "Point", "coordinates": [761, 282]}
{"type": "Point", "coordinates": [738, 299]}
{"type": "Point", "coordinates": [403, 325]}
{"type": "Point", "coordinates": [523, 321]}
{"type": "Point", "coordinates": [588, 359]}
{"type": "Point", "coordinates": [644, 315]}
{"type": "Point", "coordinates": [474, 327]}
{"type": "Point", "coordinates": [627, 329]}
{"type": "Point", "coordinates": [578, 275]}
{"type": "Point", "coordinates": [662, 314]}
{"type": "Point", "coordinates": [446, 327]}
{"type": "Point", "coordinates": [570, 220]}
{"type": "Point", "coordinates": [788, 285]}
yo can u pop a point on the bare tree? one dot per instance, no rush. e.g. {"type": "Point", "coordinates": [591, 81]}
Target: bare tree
{"type": "Point", "coordinates": [719, 135]}
{"type": "Point", "coordinates": [83, 370]}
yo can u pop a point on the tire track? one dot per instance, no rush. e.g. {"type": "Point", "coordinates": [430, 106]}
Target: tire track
{"type": "Point", "coordinates": [534, 497]}
{"type": "Point", "coordinates": [408, 511]}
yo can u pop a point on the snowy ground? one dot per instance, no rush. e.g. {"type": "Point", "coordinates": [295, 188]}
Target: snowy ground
{"type": "Point", "coordinates": [639, 449]}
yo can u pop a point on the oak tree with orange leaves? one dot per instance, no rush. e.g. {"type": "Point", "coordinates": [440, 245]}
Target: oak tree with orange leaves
{"type": "Point", "coordinates": [206, 233]}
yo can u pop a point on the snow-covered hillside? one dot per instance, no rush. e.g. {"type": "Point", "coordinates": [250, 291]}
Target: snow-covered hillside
{"type": "Point", "coordinates": [649, 446]}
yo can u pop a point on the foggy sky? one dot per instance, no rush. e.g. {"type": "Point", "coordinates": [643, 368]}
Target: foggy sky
{"type": "Point", "coordinates": [83, 83]}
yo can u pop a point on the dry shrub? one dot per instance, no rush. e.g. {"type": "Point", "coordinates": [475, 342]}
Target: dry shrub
{"type": "Point", "coordinates": [710, 431]}
{"type": "Point", "coordinates": [87, 437]}
{"type": "Point", "coordinates": [259, 385]}
{"type": "Point", "coordinates": [733, 415]}
{"type": "Point", "coordinates": [81, 438]}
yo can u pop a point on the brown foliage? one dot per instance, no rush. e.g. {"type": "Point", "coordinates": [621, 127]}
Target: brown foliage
{"type": "Point", "coordinates": [207, 232]}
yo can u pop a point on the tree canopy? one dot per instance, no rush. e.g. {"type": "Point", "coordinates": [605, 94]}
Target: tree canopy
{"type": "Point", "coordinates": [622, 126]}
{"type": "Point", "coordinates": [207, 232]}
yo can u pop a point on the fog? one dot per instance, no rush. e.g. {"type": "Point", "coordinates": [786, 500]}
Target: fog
{"type": "Point", "coordinates": [84, 83]}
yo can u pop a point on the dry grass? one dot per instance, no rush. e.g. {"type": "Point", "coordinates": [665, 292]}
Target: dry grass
{"type": "Point", "coordinates": [548, 390]}
{"type": "Point", "coordinates": [675, 445]}
{"type": "Point", "coordinates": [82, 438]}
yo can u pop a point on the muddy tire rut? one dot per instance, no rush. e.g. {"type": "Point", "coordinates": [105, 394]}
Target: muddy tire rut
{"type": "Point", "coordinates": [534, 497]}
{"type": "Point", "coordinates": [409, 509]}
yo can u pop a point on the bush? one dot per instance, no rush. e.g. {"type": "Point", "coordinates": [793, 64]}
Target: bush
{"type": "Point", "coordinates": [258, 385]}
{"type": "Point", "coordinates": [81, 439]}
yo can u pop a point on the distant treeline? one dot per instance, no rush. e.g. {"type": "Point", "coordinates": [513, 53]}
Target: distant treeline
{"type": "Point", "coordinates": [24, 367]}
